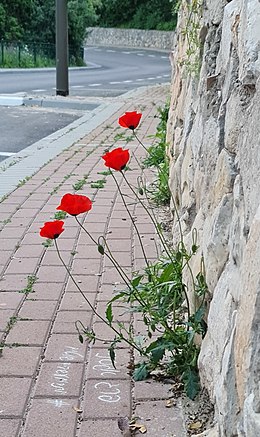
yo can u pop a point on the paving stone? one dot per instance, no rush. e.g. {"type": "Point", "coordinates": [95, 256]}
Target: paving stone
{"type": "Point", "coordinates": [51, 417]}
{"type": "Point", "coordinates": [27, 332]}
{"type": "Point", "coordinates": [27, 357]}
{"type": "Point", "coordinates": [86, 267]}
{"type": "Point", "coordinates": [29, 251]}
{"type": "Point", "coordinates": [65, 347]}
{"type": "Point", "coordinates": [5, 256]}
{"type": "Point", "coordinates": [38, 310]}
{"type": "Point", "coordinates": [47, 290]}
{"type": "Point", "coordinates": [65, 321]}
{"type": "Point", "coordinates": [22, 265]}
{"type": "Point", "coordinates": [59, 379]}
{"type": "Point", "coordinates": [75, 301]}
{"type": "Point", "coordinates": [151, 390]}
{"type": "Point", "coordinates": [53, 273]}
{"type": "Point", "coordinates": [106, 399]}
{"type": "Point", "coordinates": [12, 233]}
{"type": "Point", "coordinates": [10, 300]}
{"type": "Point", "coordinates": [98, 428]}
{"type": "Point", "coordinates": [87, 283]}
{"type": "Point", "coordinates": [87, 251]}
{"type": "Point", "coordinates": [104, 331]}
{"type": "Point", "coordinates": [101, 367]}
{"type": "Point", "coordinates": [159, 420]}
{"type": "Point", "coordinates": [111, 275]}
{"type": "Point", "coordinates": [13, 282]}
{"type": "Point", "coordinates": [51, 258]}
{"type": "Point", "coordinates": [9, 427]}
{"type": "Point", "coordinates": [5, 316]}
{"type": "Point", "coordinates": [11, 404]}
{"type": "Point", "coordinates": [124, 259]}
{"type": "Point", "coordinates": [8, 244]}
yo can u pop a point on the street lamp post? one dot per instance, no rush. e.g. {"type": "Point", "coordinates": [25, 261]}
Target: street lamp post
{"type": "Point", "coordinates": [62, 80]}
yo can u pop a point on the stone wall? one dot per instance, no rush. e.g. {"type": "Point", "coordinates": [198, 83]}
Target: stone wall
{"type": "Point", "coordinates": [214, 136]}
{"type": "Point", "coordinates": [130, 38]}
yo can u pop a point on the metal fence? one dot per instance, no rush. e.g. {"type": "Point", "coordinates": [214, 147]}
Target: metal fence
{"type": "Point", "coordinates": [26, 55]}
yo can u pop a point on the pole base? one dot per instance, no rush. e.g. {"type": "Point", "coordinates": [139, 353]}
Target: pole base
{"type": "Point", "coordinates": [62, 93]}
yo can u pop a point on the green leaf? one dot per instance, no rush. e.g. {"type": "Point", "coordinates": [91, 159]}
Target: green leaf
{"type": "Point", "coordinates": [141, 372]}
{"type": "Point", "coordinates": [118, 296]}
{"type": "Point", "coordinates": [109, 313]}
{"type": "Point", "coordinates": [191, 383]}
{"type": "Point", "coordinates": [112, 354]}
{"type": "Point", "coordinates": [136, 281]}
{"type": "Point", "coordinates": [81, 338]}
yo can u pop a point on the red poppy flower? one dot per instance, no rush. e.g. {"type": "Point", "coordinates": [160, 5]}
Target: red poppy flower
{"type": "Point", "coordinates": [75, 204]}
{"type": "Point", "coordinates": [52, 230]}
{"type": "Point", "coordinates": [116, 159]}
{"type": "Point", "coordinates": [130, 120]}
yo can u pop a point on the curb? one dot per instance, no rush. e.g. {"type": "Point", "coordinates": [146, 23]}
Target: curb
{"type": "Point", "coordinates": [29, 160]}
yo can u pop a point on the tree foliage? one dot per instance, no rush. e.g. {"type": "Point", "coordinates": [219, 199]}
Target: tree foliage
{"type": "Point", "coordinates": [34, 20]}
{"type": "Point", "coordinates": [138, 14]}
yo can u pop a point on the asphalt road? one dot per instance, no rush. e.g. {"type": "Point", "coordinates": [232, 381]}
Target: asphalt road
{"type": "Point", "coordinates": [109, 72]}
{"type": "Point", "coordinates": [22, 126]}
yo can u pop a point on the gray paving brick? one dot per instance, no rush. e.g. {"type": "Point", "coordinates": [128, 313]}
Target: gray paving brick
{"type": "Point", "coordinates": [28, 332]}
{"type": "Point", "coordinates": [11, 404]}
{"type": "Point", "coordinates": [52, 417]}
{"type": "Point", "coordinates": [59, 379]}
{"type": "Point", "coordinates": [159, 420]}
{"type": "Point", "coordinates": [27, 357]}
{"type": "Point", "coordinates": [9, 427]}
{"type": "Point", "coordinates": [106, 399]}
{"type": "Point", "coordinates": [98, 428]}
{"type": "Point", "coordinates": [65, 347]}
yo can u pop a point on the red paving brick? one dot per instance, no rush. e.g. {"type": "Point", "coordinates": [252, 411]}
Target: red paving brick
{"type": "Point", "coordinates": [52, 375]}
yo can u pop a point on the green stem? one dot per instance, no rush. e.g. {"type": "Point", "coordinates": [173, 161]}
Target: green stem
{"type": "Point", "coordinates": [117, 266]}
{"type": "Point", "coordinates": [131, 218]}
{"type": "Point", "coordinates": [91, 306]}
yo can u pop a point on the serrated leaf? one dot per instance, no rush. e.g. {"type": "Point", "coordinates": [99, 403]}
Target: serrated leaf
{"type": "Point", "coordinates": [191, 383]}
{"type": "Point", "coordinates": [141, 372]}
{"type": "Point", "coordinates": [109, 313]}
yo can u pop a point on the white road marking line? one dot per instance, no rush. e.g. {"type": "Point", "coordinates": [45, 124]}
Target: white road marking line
{"type": "Point", "coordinates": [38, 90]}
{"type": "Point", "coordinates": [164, 57]}
{"type": "Point", "coordinates": [151, 78]}
{"type": "Point", "coordinates": [166, 75]}
{"type": "Point", "coordinates": [127, 81]}
{"type": "Point", "coordinates": [94, 84]}
{"type": "Point", "coordinates": [77, 86]}
{"type": "Point", "coordinates": [158, 77]}
{"type": "Point", "coordinates": [139, 80]}
{"type": "Point", "coordinates": [151, 56]}
{"type": "Point", "coordinates": [110, 51]}
{"type": "Point", "coordinates": [126, 53]}
{"type": "Point", "coordinates": [7, 154]}
{"type": "Point", "coordinates": [140, 54]}
{"type": "Point", "coordinates": [114, 83]}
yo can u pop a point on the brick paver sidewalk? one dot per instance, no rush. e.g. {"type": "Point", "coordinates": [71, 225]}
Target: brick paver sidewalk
{"type": "Point", "coordinates": [51, 385]}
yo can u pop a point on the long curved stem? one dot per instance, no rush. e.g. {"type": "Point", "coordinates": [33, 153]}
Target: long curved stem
{"type": "Point", "coordinates": [132, 220]}
{"type": "Point", "coordinates": [90, 304]}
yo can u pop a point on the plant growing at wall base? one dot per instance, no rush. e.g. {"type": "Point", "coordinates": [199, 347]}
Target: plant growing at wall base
{"type": "Point", "coordinates": [158, 293]}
